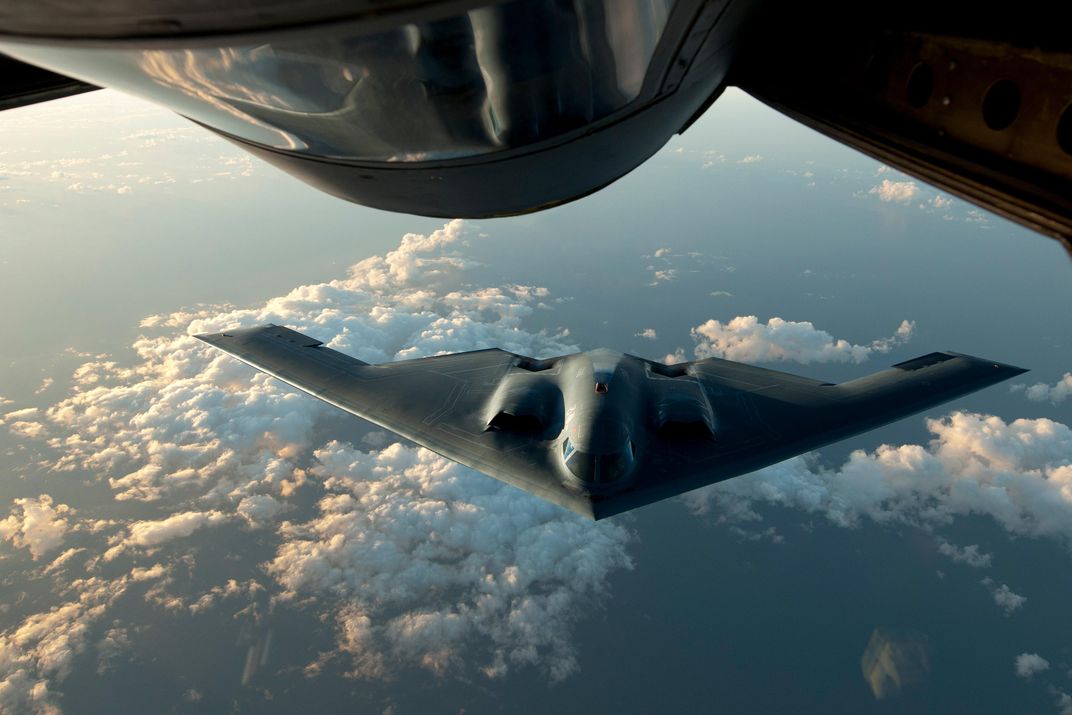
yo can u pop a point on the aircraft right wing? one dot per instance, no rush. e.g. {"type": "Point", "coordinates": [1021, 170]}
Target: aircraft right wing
{"type": "Point", "coordinates": [766, 416]}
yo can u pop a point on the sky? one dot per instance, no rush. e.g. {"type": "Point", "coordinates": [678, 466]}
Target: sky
{"type": "Point", "coordinates": [180, 533]}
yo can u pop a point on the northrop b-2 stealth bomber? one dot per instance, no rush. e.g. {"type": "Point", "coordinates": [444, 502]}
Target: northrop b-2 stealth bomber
{"type": "Point", "coordinates": [600, 432]}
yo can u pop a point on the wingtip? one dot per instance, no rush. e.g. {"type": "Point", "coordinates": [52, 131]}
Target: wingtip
{"type": "Point", "coordinates": [224, 336]}
{"type": "Point", "coordinates": [1008, 371]}
{"type": "Point", "coordinates": [1005, 370]}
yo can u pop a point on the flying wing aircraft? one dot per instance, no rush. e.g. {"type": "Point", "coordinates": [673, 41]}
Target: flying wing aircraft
{"type": "Point", "coordinates": [475, 108]}
{"type": "Point", "coordinates": [600, 432]}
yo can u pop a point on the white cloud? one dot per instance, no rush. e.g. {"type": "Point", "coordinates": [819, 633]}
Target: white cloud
{"type": "Point", "coordinates": [152, 533]}
{"type": "Point", "coordinates": [41, 649]}
{"type": "Point", "coordinates": [663, 275]}
{"type": "Point", "coordinates": [1063, 701]}
{"type": "Point", "coordinates": [968, 555]}
{"type": "Point", "coordinates": [746, 339]}
{"type": "Point", "coordinates": [661, 252]}
{"type": "Point", "coordinates": [647, 334]}
{"type": "Point", "coordinates": [1004, 597]}
{"type": "Point", "coordinates": [61, 561]}
{"type": "Point", "coordinates": [1027, 664]}
{"type": "Point", "coordinates": [1041, 392]}
{"type": "Point", "coordinates": [111, 647]}
{"type": "Point", "coordinates": [36, 524]}
{"type": "Point", "coordinates": [45, 384]}
{"type": "Point", "coordinates": [258, 508]}
{"type": "Point", "coordinates": [1018, 473]}
{"type": "Point", "coordinates": [751, 159]}
{"type": "Point", "coordinates": [676, 357]}
{"type": "Point", "coordinates": [412, 261]}
{"type": "Point", "coordinates": [249, 590]}
{"type": "Point", "coordinates": [428, 557]}
{"type": "Point", "coordinates": [895, 191]}
{"type": "Point", "coordinates": [43, 646]}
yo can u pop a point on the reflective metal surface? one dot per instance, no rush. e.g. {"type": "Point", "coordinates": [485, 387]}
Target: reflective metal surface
{"type": "Point", "coordinates": [496, 77]}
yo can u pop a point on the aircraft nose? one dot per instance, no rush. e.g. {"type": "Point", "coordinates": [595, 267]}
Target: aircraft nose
{"type": "Point", "coordinates": [599, 469]}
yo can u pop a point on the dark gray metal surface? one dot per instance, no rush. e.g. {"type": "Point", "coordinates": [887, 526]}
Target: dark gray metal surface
{"type": "Point", "coordinates": [662, 429]}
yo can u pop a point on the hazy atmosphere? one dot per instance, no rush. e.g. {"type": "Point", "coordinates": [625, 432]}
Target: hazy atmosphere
{"type": "Point", "coordinates": [181, 533]}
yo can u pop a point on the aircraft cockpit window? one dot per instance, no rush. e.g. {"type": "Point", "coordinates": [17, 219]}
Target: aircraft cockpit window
{"type": "Point", "coordinates": [567, 449]}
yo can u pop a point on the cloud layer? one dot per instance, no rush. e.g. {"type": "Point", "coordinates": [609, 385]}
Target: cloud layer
{"type": "Point", "coordinates": [426, 556]}
{"type": "Point", "coordinates": [1018, 473]}
{"type": "Point", "coordinates": [414, 558]}
{"type": "Point", "coordinates": [746, 339]}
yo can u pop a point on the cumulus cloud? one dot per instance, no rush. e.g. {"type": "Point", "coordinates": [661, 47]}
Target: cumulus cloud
{"type": "Point", "coordinates": [150, 534]}
{"type": "Point", "coordinates": [419, 257]}
{"type": "Point", "coordinates": [258, 508]}
{"type": "Point", "coordinates": [1042, 392]}
{"type": "Point", "coordinates": [247, 590]}
{"type": "Point", "coordinates": [968, 555]}
{"type": "Point", "coordinates": [63, 560]}
{"type": "Point", "coordinates": [147, 534]}
{"type": "Point", "coordinates": [425, 558]}
{"type": "Point", "coordinates": [1063, 701]}
{"type": "Point", "coordinates": [647, 334]}
{"type": "Point", "coordinates": [36, 524]}
{"type": "Point", "coordinates": [895, 191]}
{"type": "Point", "coordinates": [746, 339]}
{"type": "Point", "coordinates": [1027, 664]}
{"type": "Point", "coordinates": [115, 643]}
{"type": "Point", "coordinates": [41, 649]}
{"type": "Point", "coordinates": [1004, 597]}
{"type": "Point", "coordinates": [1018, 473]}
{"type": "Point", "coordinates": [751, 159]}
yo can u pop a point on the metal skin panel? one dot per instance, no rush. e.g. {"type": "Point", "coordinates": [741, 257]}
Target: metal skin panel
{"type": "Point", "coordinates": [612, 402]}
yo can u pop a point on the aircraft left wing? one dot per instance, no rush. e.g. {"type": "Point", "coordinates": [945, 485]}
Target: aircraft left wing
{"type": "Point", "coordinates": [438, 402]}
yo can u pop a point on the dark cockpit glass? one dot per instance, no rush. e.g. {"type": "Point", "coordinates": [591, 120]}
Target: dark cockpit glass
{"type": "Point", "coordinates": [599, 468]}
{"type": "Point", "coordinates": [495, 77]}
